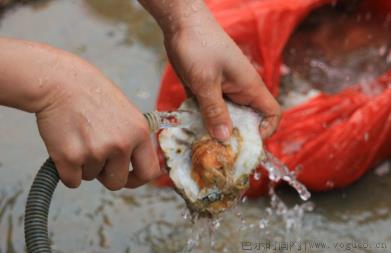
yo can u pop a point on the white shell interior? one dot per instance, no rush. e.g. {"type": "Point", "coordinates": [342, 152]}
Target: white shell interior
{"type": "Point", "coordinates": [176, 144]}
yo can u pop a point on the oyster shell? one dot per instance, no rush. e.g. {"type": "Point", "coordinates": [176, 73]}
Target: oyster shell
{"type": "Point", "coordinates": [208, 174]}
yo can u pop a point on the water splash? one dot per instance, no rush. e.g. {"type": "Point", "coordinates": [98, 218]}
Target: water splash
{"type": "Point", "coordinates": [272, 222]}
{"type": "Point", "coordinates": [292, 217]}
{"type": "Point", "coordinates": [257, 175]}
{"type": "Point", "coordinates": [278, 171]}
{"type": "Point", "coordinates": [383, 169]}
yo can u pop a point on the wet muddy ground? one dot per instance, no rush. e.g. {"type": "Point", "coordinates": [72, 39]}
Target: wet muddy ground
{"type": "Point", "coordinates": [123, 41]}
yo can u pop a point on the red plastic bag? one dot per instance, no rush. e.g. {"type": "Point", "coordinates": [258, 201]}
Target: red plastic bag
{"type": "Point", "coordinates": [332, 139]}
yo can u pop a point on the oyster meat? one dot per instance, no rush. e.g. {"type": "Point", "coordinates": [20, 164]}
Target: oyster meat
{"type": "Point", "coordinates": [208, 174]}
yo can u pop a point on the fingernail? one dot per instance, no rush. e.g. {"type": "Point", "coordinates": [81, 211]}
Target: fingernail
{"type": "Point", "coordinates": [264, 129]}
{"type": "Point", "coordinates": [221, 132]}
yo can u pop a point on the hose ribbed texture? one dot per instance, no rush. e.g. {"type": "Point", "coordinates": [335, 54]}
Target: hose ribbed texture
{"type": "Point", "coordinates": [37, 209]}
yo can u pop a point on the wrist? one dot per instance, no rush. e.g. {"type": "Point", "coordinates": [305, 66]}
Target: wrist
{"type": "Point", "coordinates": [33, 75]}
{"type": "Point", "coordinates": [23, 78]}
{"type": "Point", "coordinates": [177, 15]}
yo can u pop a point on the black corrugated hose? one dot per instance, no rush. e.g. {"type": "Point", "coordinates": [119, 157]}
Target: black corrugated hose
{"type": "Point", "coordinates": [37, 209]}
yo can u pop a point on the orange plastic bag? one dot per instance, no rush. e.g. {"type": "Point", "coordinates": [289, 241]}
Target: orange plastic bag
{"type": "Point", "coordinates": [332, 140]}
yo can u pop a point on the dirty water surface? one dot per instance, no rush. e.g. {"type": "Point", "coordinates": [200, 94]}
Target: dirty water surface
{"type": "Point", "coordinates": [125, 43]}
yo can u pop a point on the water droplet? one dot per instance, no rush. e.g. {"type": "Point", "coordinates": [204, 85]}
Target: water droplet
{"type": "Point", "coordinates": [40, 82]}
{"type": "Point", "coordinates": [383, 169]}
{"type": "Point", "coordinates": [143, 94]}
{"type": "Point", "coordinates": [195, 6]}
{"type": "Point", "coordinates": [98, 90]}
{"type": "Point", "coordinates": [204, 43]}
{"type": "Point", "coordinates": [330, 184]}
{"type": "Point", "coordinates": [368, 16]}
{"type": "Point", "coordinates": [278, 171]}
{"type": "Point", "coordinates": [257, 175]}
{"type": "Point", "coordinates": [199, 30]}
{"type": "Point", "coordinates": [216, 224]}
{"type": "Point", "coordinates": [263, 223]}
{"type": "Point", "coordinates": [366, 136]}
{"type": "Point", "coordinates": [185, 214]}
{"type": "Point", "coordinates": [298, 169]}
{"type": "Point", "coordinates": [382, 50]}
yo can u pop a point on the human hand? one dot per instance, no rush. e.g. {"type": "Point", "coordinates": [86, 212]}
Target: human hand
{"type": "Point", "coordinates": [212, 66]}
{"type": "Point", "coordinates": [91, 130]}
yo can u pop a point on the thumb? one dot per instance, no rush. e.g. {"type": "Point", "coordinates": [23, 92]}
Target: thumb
{"type": "Point", "coordinates": [214, 111]}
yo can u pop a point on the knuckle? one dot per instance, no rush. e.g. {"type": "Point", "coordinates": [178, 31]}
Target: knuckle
{"type": "Point", "coordinates": [133, 185]}
{"type": "Point", "coordinates": [70, 181]}
{"type": "Point", "coordinates": [122, 146]}
{"type": "Point", "coordinates": [118, 144]}
{"type": "Point", "coordinates": [149, 175]}
{"type": "Point", "coordinates": [146, 177]}
{"type": "Point", "coordinates": [213, 111]}
{"type": "Point", "coordinates": [89, 173]}
{"type": "Point", "coordinates": [200, 78]}
{"type": "Point", "coordinates": [251, 81]}
{"type": "Point", "coordinates": [97, 153]}
{"type": "Point", "coordinates": [88, 177]}
{"type": "Point", "coordinates": [197, 88]}
{"type": "Point", "coordinates": [75, 157]}
{"type": "Point", "coordinates": [56, 157]}
{"type": "Point", "coordinates": [143, 132]}
{"type": "Point", "coordinates": [115, 185]}
{"type": "Point", "coordinates": [278, 112]}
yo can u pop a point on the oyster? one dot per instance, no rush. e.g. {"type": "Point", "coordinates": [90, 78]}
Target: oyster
{"type": "Point", "coordinates": [208, 174]}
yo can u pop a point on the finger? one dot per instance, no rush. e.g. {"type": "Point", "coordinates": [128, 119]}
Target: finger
{"type": "Point", "coordinates": [214, 110]}
{"type": "Point", "coordinates": [269, 125]}
{"type": "Point", "coordinates": [249, 89]}
{"type": "Point", "coordinates": [70, 174]}
{"type": "Point", "coordinates": [188, 91]}
{"type": "Point", "coordinates": [145, 165]}
{"type": "Point", "coordinates": [92, 169]}
{"type": "Point", "coordinates": [115, 172]}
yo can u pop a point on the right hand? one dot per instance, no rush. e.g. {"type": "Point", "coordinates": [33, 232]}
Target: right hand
{"type": "Point", "coordinates": [214, 68]}
{"type": "Point", "coordinates": [91, 130]}
{"type": "Point", "coordinates": [211, 66]}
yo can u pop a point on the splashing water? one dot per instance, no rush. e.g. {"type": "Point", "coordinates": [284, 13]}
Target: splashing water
{"type": "Point", "coordinates": [225, 232]}
{"type": "Point", "coordinates": [291, 216]}
{"type": "Point", "coordinates": [278, 171]}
